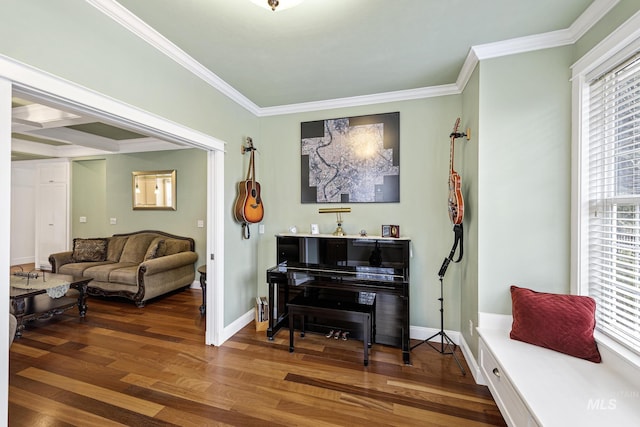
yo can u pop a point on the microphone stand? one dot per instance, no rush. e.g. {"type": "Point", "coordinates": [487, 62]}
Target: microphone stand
{"type": "Point", "coordinates": [447, 346]}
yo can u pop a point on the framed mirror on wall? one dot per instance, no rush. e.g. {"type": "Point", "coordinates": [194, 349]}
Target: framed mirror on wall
{"type": "Point", "coordinates": [154, 190]}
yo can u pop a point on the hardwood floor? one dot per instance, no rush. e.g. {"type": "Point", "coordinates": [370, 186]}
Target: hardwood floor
{"type": "Point", "coordinates": [123, 365]}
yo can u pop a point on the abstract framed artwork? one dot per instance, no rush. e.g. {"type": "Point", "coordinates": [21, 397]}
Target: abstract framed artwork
{"type": "Point", "coordinates": [351, 159]}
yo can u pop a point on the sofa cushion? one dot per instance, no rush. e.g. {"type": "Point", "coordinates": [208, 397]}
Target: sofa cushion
{"type": "Point", "coordinates": [89, 250]}
{"type": "Point", "coordinates": [157, 249]}
{"type": "Point", "coordinates": [114, 247]}
{"type": "Point", "coordinates": [78, 268]}
{"type": "Point", "coordinates": [126, 275]}
{"type": "Point", "coordinates": [563, 323]}
{"type": "Point", "coordinates": [100, 273]}
{"type": "Point", "coordinates": [136, 247]}
{"type": "Point", "coordinates": [174, 246]}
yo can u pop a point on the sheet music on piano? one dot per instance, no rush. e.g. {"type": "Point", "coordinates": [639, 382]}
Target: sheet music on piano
{"type": "Point", "coordinates": [375, 273]}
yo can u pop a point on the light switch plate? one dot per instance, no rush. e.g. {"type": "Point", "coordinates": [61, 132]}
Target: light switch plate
{"type": "Point", "coordinates": [113, 221]}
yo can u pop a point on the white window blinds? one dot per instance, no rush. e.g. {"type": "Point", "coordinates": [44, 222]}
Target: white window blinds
{"type": "Point", "coordinates": [613, 125]}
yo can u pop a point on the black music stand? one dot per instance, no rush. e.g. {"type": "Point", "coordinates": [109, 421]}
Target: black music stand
{"type": "Point", "coordinates": [447, 346]}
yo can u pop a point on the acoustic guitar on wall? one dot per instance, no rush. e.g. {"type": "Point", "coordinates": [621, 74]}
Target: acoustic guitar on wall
{"type": "Point", "coordinates": [456, 204]}
{"type": "Point", "coordinates": [248, 207]}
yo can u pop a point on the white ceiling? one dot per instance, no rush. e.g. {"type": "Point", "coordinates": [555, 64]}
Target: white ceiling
{"type": "Point", "coordinates": [320, 54]}
{"type": "Point", "coordinates": [331, 49]}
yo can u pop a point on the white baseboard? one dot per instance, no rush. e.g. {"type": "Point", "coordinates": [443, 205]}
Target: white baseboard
{"type": "Point", "coordinates": [415, 332]}
{"type": "Point", "coordinates": [422, 333]}
{"type": "Point", "coordinates": [43, 266]}
{"type": "Point", "coordinates": [472, 362]}
{"type": "Point", "coordinates": [237, 325]}
{"type": "Point", "coordinates": [23, 260]}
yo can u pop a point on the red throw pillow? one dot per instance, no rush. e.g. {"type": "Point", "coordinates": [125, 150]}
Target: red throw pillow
{"type": "Point", "coordinates": [559, 322]}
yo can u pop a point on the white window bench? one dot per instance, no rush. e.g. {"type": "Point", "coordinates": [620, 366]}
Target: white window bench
{"type": "Point", "coordinates": [534, 386]}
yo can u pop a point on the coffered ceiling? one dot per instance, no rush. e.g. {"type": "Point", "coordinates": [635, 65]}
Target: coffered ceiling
{"type": "Point", "coordinates": [40, 132]}
{"type": "Point", "coordinates": [320, 54]}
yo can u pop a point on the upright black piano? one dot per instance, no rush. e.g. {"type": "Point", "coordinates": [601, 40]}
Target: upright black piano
{"type": "Point", "coordinates": [377, 265]}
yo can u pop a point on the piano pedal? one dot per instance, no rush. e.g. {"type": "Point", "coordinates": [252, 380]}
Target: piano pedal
{"type": "Point", "coordinates": [330, 334]}
{"type": "Point", "coordinates": [337, 335]}
{"type": "Point", "coordinates": [344, 335]}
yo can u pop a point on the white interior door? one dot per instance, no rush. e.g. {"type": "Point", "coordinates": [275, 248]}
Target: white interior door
{"type": "Point", "coordinates": [23, 214]}
{"type": "Point", "coordinates": [51, 227]}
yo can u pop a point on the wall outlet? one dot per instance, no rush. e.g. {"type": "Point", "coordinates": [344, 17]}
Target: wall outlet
{"type": "Point", "coordinates": [113, 221]}
{"type": "Point", "coordinates": [470, 327]}
{"type": "Point", "coordinates": [261, 229]}
{"type": "Point", "coordinates": [83, 219]}
{"type": "Point", "coordinates": [200, 223]}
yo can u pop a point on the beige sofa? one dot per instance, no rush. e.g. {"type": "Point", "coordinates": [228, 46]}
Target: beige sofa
{"type": "Point", "coordinates": [139, 266]}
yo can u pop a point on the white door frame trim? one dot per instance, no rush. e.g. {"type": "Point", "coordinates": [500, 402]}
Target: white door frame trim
{"type": "Point", "coordinates": [59, 92]}
{"type": "Point", "coordinates": [5, 226]}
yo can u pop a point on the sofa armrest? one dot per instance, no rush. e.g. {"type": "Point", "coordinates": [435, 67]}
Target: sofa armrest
{"type": "Point", "coordinates": [59, 259]}
{"type": "Point", "coordinates": [168, 262]}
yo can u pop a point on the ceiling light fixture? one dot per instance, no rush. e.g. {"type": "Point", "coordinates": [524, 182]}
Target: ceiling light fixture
{"type": "Point", "coordinates": [276, 4]}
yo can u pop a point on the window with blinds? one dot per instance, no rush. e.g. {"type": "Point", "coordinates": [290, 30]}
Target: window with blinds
{"type": "Point", "coordinates": [613, 123]}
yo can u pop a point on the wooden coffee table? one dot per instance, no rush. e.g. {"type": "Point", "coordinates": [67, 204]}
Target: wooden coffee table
{"type": "Point", "coordinates": [38, 298]}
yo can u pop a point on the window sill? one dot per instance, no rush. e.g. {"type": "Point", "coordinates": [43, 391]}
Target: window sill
{"type": "Point", "coordinates": [627, 362]}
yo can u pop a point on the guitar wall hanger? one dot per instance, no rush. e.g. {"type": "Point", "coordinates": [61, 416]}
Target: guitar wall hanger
{"type": "Point", "coordinates": [249, 147]}
{"type": "Point", "coordinates": [456, 135]}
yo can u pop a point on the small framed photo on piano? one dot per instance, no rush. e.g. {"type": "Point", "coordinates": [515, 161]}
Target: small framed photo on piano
{"type": "Point", "coordinates": [390, 231]}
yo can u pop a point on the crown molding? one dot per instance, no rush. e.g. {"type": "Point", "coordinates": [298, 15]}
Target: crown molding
{"type": "Point", "coordinates": [594, 13]}
{"type": "Point", "coordinates": [131, 22]}
{"type": "Point", "coordinates": [355, 101]}
{"type": "Point", "coordinates": [551, 39]}
{"type": "Point", "coordinates": [467, 69]}
{"type": "Point", "coordinates": [477, 53]}
{"type": "Point", "coordinates": [523, 44]}
{"type": "Point", "coordinates": [616, 43]}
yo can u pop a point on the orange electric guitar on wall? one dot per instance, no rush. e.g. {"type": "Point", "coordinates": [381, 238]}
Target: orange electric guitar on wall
{"type": "Point", "coordinates": [248, 207]}
{"type": "Point", "coordinates": [456, 204]}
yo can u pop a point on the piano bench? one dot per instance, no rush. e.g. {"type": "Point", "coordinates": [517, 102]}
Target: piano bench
{"type": "Point", "coordinates": [360, 309]}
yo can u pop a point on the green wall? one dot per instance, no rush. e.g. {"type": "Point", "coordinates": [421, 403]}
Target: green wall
{"type": "Point", "coordinates": [515, 170]}
{"type": "Point", "coordinates": [422, 213]}
{"type": "Point", "coordinates": [75, 41]}
{"type": "Point", "coordinates": [516, 181]}
{"type": "Point", "coordinates": [468, 151]}
{"type": "Point", "coordinates": [524, 175]}
{"type": "Point", "coordinates": [89, 198]}
{"type": "Point", "coordinates": [101, 190]}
